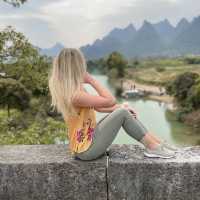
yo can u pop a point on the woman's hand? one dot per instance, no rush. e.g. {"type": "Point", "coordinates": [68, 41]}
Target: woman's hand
{"type": "Point", "coordinates": [131, 110]}
{"type": "Point", "coordinates": [108, 109]}
{"type": "Point", "coordinates": [87, 78]}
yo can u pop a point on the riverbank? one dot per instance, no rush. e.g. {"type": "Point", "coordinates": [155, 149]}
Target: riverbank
{"type": "Point", "coordinates": [192, 119]}
{"type": "Point", "coordinates": [155, 90]}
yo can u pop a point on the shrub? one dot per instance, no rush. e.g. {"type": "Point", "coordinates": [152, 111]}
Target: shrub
{"type": "Point", "coordinates": [192, 60]}
{"type": "Point", "coordinates": [160, 69]}
{"type": "Point", "coordinates": [180, 87]}
{"type": "Point", "coordinates": [118, 91]}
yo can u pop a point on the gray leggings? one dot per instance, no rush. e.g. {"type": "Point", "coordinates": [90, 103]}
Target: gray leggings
{"type": "Point", "coordinates": [107, 129]}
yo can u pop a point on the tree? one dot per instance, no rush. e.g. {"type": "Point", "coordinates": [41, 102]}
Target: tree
{"type": "Point", "coordinates": [13, 95]}
{"type": "Point", "coordinates": [192, 60]}
{"type": "Point", "coordinates": [15, 3]}
{"type": "Point", "coordinates": [116, 60]}
{"type": "Point", "coordinates": [21, 61]}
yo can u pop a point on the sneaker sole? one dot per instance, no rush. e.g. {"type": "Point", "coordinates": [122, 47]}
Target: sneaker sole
{"type": "Point", "coordinates": [157, 156]}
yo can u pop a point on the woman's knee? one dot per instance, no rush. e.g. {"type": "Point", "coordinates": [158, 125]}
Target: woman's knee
{"type": "Point", "coordinates": [122, 110]}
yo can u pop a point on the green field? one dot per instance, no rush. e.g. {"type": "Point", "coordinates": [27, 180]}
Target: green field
{"type": "Point", "coordinates": [160, 71]}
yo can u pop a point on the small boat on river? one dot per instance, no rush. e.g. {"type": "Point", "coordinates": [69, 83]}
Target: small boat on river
{"type": "Point", "coordinates": [133, 93]}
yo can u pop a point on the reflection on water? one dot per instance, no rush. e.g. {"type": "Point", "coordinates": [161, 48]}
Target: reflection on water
{"type": "Point", "coordinates": [154, 116]}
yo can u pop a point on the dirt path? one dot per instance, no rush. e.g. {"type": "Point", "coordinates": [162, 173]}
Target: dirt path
{"type": "Point", "coordinates": [128, 84]}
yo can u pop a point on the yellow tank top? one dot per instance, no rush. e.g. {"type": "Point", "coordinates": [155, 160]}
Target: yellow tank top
{"type": "Point", "coordinates": [81, 129]}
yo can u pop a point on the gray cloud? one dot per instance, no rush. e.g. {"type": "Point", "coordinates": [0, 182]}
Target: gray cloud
{"type": "Point", "coordinates": [78, 22]}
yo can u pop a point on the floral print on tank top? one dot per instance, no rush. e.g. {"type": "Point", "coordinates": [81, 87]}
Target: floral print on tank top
{"type": "Point", "coordinates": [80, 132]}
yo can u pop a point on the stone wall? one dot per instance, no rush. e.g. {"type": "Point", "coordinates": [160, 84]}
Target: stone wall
{"type": "Point", "coordinates": [49, 172]}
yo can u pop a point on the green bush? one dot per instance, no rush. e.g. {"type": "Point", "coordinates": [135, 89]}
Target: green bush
{"type": "Point", "coordinates": [118, 91]}
{"type": "Point", "coordinates": [160, 69]}
{"type": "Point", "coordinates": [181, 85]}
{"type": "Point", "coordinates": [192, 60]}
{"type": "Point", "coordinates": [194, 94]}
{"type": "Point", "coordinates": [17, 130]}
{"type": "Point", "coordinates": [186, 89]}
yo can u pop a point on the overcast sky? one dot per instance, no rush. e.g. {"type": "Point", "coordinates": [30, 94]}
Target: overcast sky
{"type": "Point", "coordinates": [78, 22]}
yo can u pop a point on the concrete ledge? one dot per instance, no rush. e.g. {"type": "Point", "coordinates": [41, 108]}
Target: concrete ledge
{"type": "Point", "coordinates": [49, 172]}
{"type": "Point", "coordinates": [134, 177]}
{"type": "Point", "coordinates": [40, 172]}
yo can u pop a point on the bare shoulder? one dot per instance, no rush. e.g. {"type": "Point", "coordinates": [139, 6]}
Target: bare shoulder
{"type": "Point", "coordinates": [77, 96]}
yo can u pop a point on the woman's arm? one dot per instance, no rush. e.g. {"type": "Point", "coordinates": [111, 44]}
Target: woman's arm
{"type": "Point", "coordinates": [84, 99]}
{"type": "Point", "coordinates": [107, 109]}
{"type": "Point", "coordinates": [102, 91]}
{"type": "Point", "coordinates": [112, 108]}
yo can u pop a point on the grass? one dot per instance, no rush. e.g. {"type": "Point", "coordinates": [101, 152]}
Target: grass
{"type": "Point", "coordinates": [147, 71]}
{"type": "Point", "coordinates": [27, 128]}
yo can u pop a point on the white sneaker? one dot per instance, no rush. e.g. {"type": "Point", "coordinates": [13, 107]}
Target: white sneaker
{"type": "Point", "coordinates": [169, 146]}
{"type": "Point", "coordinates": [159, 152]}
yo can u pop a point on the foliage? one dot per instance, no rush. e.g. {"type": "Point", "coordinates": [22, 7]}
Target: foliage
{"type": "Point", "coordinates": [160, 69]}
{"type": "Point", "coordinates": [113, 73]}
{"type": "Point", "coordinates": [98, 64]}
{"type": "Point", "coordinates": [118, 91]}
{"type": "Point", "coordinates": [15, 3]}
{"type": "Point", "coordinates": [194, 94]}
{"type": "Point", "coordinates": [13, 94]}
{"type": "Point", "coordinates": [36, 133]}
{"type": "Point", "coordinates": [192, 60]}
{"type": "Point", "coordinates": [136, 62]}
{"type": "Point", "coordinates": [185, 88]}
{"type": "Point", "coordinates": [116, 60]}
{"type": "Point", "coordinates": [24, 89]}
{"type": "Point", "coordinates": [21, 61]}
{"type": "Point", "coordinates": [33, 125]}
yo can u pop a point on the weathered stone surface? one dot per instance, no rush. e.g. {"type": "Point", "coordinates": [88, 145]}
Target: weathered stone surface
{"type": "Point", "coordinates": [131, 176]}
{"type": "Point", "coordinates": [42, 172]}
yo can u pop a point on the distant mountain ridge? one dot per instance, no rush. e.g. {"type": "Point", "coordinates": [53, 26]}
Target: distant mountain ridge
{"type": "Point", "coordinates": [53, 51]}
{"type": "Point", "coordinates": [159, 39]}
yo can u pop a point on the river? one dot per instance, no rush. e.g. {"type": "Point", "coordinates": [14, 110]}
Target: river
{"type": "Point", "coordinates": [155, 117]}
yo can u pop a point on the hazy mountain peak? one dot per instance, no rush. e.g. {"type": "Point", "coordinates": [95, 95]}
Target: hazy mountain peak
{"type": "Point", "coordinates": [58, 45]}
{"type": "Point", "coordinates": [165, 30]}
{"type": "Point", "coordinates": [183, 22]}
{"type": "Point", "coordinates": [164, 23]}
{"type": "Point", "coordinates": [182, 25]}
{"type": "Point", "coordinates": [130, 27]}
{"type": "Point", "coordinates": [52, 51]}
{"type": "Point", "coordinates": [145, 23]}
{"type": "Point", "coordinates": [97, 41]}
{"type": "Point", "coordinates": [196, 20]}
{"type": "Point", "coordinates": [146, 26]}
{"type": "Point", "coordinates": [121, 34]}
{"type": "Point", "coordinates": [115, 30]}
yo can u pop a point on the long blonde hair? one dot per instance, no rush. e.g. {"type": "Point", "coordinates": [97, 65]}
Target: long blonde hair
{"type": "Point", "coordinates": [65, 79]}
